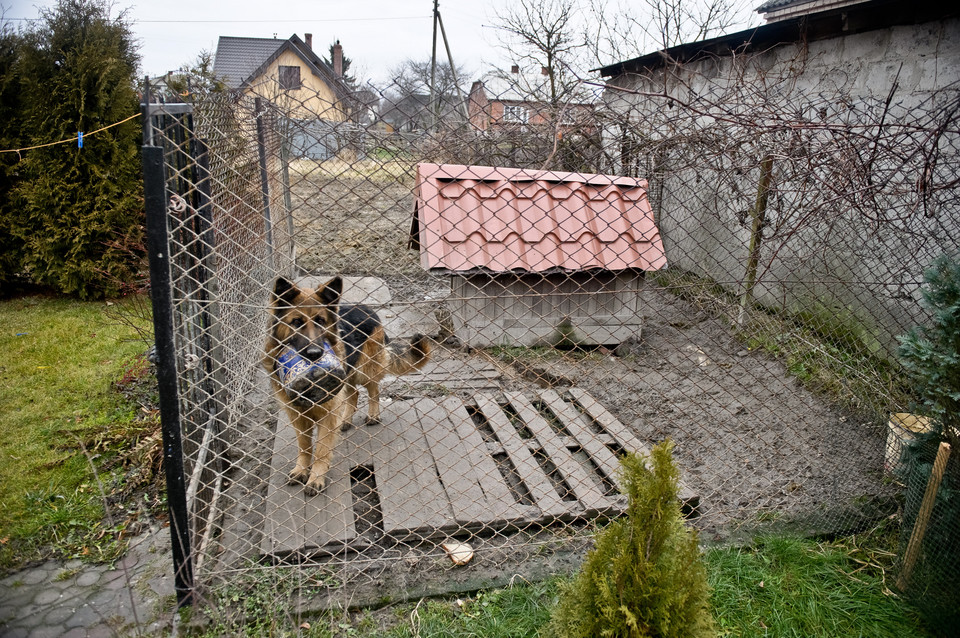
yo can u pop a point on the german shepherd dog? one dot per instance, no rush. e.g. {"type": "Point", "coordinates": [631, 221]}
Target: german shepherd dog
{"type": "Point", "coordinates": [318, 353]}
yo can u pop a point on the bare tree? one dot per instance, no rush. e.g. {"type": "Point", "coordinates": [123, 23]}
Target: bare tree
{"type": "Point", "coordinates": [412, 77]}
{"type": "Point", "coordinates": [619, 29]}
{"type": "Point", "coordinates": [406, 104]}
{"type": "Point", "coordinates": [547, 34]}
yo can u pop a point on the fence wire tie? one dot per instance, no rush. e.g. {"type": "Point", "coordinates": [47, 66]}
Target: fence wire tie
{"type": "Point", "coordinates": [177, 204]}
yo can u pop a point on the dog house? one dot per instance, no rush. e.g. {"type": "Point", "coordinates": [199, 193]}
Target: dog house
{"type": "Point", "coordinates": [537, 257]}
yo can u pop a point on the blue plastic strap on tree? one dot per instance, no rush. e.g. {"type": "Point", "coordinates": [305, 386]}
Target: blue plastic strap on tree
{"type": "Point", "coordinates": [79, 140]}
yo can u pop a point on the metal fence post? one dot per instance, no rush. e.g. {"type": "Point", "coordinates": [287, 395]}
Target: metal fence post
{"type": "Point", "coordinates": [264, 175]}
{"type": "Point", "coordinates": [285, 152]}
{"type": "Point", "coordinates": [154, 190]}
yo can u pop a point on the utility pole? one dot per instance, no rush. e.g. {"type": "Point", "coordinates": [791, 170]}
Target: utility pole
{"type": "Point", "coordinates": [433, 65]}
{"type": "Point", "coordinates": [434, 98]}
{"type": "Point", "coordinates": [453, 67]}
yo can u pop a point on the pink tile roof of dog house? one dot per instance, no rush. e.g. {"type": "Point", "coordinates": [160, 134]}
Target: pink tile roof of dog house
{"type": "Point", "coordinates": [504, 219]}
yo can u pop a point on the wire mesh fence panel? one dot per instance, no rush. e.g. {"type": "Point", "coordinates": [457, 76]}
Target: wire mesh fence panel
{"type": "Point", "coordinates": [414, 336]}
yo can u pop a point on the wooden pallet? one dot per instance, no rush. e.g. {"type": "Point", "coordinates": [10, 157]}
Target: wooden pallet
{"type": "Point", "coordinates": [453, 374]}
{"type": "Point", "coordinates": [494, 463]}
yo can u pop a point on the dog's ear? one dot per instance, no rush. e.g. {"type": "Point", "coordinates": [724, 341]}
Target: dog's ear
{"type": "Point", "coordinates": [330, 294]}
{"type": "Point", "coordinates": [284, 292]}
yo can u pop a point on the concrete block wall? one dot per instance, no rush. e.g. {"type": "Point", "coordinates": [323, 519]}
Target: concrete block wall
{"type": "Point", "coordinates": [825, 251]}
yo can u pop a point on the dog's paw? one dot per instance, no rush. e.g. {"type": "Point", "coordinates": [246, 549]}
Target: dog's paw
{"type": "Point", "coordinates": [314, 485]}
{"type": "Point", "coordinates": [298, 476]}
{"type": "Point", "coordinates": [371, 421]}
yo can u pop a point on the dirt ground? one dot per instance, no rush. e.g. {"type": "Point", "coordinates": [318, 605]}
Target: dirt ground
{"type": "Point", "coordinates": [750, 440]}
{"type": "Point", "coordinates": [761, 451]}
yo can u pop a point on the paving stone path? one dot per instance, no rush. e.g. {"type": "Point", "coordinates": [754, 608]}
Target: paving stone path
{"type": "Point", "coordinates": [73, 599]}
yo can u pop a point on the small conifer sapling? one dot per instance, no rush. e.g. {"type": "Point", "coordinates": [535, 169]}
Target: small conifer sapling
{"type": "Point", "coordinates": [644, 577]}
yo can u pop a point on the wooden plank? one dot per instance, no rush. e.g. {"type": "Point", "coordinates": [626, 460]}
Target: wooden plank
{"type": "Point", "coordinates": [285, 503]}
{"type": "Point", "coordinates": [626, 439]}
{"type": "Point", "coordinates": [608, 422]}
{"type": "Point", "coordinates": [583, 485]}
{"type": "Point", "coordinates": [411, 497]}
{"type": "Point", "coordinates": [499, 498]}
{"type": "Point", "coordinates": [529, 470]}
{"type": "Point", "coordinates": [453, 461]}
{"type": "Point", "coordinates": [328, 516]}
{"type": "Point", "coordinates": [359, 445]}
{"type": "Point", "coordinates": [454, 368]}
{"type": "Point", "coordinates": [453, 371]}
{"type": "Point", "coordinates": [494, 448]}
{"type": "Point", "coordinates": [359, 442]}
{"type": "Point", "coordinates": [600, 453]}
{"type": "Point", "coordinates": [455, 374]}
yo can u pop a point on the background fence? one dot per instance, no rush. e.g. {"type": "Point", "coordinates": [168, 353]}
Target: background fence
{"type": "Point", "coordinates": [725, 264]}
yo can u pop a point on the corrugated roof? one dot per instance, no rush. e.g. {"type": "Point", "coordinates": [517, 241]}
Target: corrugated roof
{"type": "Point", "coordinates": [237, 58]}
{"type": "Point", "coordinates": [770, 5]}
{"type": "Point", "coordinates": [504, 219]}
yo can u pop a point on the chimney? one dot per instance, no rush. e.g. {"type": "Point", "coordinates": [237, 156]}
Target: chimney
{"type": "Point", "coordinates": [544, 70]}
{"type": "Point", "coordinates": [338, 59]}
{"type": "Point", "coordinates": [308, 38]}
{"type": "Point", "coordinates": [515, 69]}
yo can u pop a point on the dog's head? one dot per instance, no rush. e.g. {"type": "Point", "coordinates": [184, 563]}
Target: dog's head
{"type": "Point", "coordinates": [304, 340]}
{"type": "Point", "coordinates": [305, 318]}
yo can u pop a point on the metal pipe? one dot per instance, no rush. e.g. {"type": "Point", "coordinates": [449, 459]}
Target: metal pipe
{"type": "Point", "coordinates": [154, 192]}
{"type": "Point", "coordinates": [259, 114]}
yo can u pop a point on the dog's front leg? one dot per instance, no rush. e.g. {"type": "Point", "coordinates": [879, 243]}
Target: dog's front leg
{"type": "Point", "coordinates": [304, 427]}
{"type": "Point", "coordinates": [327, 430]}
{"type": "Point", "coordinates": [349, 406]}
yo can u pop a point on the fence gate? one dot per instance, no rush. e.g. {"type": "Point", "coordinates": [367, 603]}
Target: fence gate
{"type": "Point", "coordinates": [554, 292]}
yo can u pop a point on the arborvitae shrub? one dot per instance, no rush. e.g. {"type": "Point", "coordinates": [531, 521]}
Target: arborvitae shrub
{"type": "Point", "coordinates": [11, 136]}
{"type": "Point", "coordinates": [931, 356]}
{"type": "Point", "coordinates": [644, 577]}
{"type": "Point", "coordinates": [78, 209]}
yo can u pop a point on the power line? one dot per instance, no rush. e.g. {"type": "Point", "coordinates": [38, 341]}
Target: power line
{"type": "Point", "coordinates": [382, 19]}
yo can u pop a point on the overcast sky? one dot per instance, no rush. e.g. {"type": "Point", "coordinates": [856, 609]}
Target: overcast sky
{"type": "Point", "coordinates": [376, 34]}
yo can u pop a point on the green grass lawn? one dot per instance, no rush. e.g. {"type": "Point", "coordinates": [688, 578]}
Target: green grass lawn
{"type": "Point", "coordinates": [804, 588]}
{"type": "Point", "coordinates": [775, 587]}
{"type": "Point", "coordinates": [59, 361]}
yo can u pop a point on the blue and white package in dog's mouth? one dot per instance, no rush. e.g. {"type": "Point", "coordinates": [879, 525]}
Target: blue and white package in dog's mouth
{"type": "Point", "coordinates": [291, 365]}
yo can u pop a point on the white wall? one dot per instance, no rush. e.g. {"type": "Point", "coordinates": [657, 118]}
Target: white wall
{"type": "Point", "coordinates": [849, 233]}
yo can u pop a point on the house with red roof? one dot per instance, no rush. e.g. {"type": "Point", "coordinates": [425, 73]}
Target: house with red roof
{"type": "Point", "coordinates": [503, 102]}
{"type": "Point", "coordinates": [537, 257]}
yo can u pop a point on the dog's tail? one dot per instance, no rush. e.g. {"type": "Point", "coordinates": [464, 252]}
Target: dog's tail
{"type": "Point", "coordinates": [406, 356]}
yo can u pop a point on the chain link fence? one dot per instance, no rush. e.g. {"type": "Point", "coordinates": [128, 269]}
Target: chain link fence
{"type": "Point", "coordinates": [723, 263]}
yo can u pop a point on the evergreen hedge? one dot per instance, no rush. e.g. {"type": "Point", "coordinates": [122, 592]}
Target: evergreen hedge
{"type": "Point", "coordinates": [10, 138]}
{"type": "Point", "coordinates": [73, 216]}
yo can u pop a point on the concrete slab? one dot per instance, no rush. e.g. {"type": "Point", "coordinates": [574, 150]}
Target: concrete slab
{"type": "Point", "coordinates": [402, 321]}
{"type": "Point", "coordinates": [372, 291]}
{"type": "Point", "coordinates": [398, 320]}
